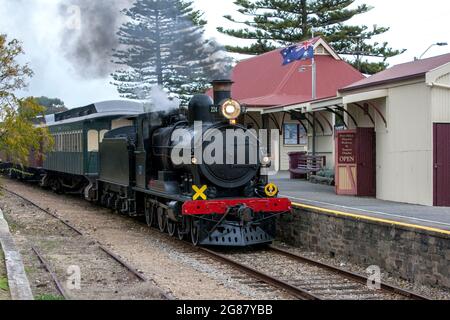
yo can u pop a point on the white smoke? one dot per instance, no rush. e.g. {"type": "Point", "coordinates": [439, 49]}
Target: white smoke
{"type": "Point", "coordinates": [160, 101]}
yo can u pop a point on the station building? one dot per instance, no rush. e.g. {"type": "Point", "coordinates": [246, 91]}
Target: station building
{"type": "Point", "coordinates": [405, 112]}
{"type": "Point", "coordinates": [385, 136]}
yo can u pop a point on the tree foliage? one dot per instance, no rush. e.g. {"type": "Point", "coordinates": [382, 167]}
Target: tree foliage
{"type": "Point", "coordinates": [18, 132]}
{"type": "Point", "coordinates": [51, 105]}
{"type": "Point", "coordinates": [163, 44]}
{"type": "Point", "coordinates": [274, 23]}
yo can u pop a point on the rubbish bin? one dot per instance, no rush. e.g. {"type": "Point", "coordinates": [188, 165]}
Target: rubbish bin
{"type": "Point", "coordinates": [295, 158]}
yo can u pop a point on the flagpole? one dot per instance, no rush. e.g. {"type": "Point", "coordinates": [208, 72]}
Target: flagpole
{"type": "Point", "coordinates": [314, 97]}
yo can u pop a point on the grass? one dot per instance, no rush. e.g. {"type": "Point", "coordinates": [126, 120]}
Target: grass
{"type": "Point", "coordinates": [4, 288]}
{"type": "Point", "coordinates": [4, 284]}
{"type": "Point", "coordinates": [48, 297]}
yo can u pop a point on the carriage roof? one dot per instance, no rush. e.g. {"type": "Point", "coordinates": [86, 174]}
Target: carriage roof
{"type": "Point", "coordinates": [96, 110]}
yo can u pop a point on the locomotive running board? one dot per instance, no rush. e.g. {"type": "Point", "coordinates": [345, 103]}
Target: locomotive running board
{"type": "Point", "coordinates": [174, 197]}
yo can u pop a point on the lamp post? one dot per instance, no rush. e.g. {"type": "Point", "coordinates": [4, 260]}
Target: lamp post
{"type": "Point", "coordinates": [439, 44]}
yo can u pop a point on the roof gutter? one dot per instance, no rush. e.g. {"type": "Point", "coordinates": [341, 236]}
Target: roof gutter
{"type": "Point", "coordinates": [377, 83]}
{"type": "Point", "coordinates": [438, 85]}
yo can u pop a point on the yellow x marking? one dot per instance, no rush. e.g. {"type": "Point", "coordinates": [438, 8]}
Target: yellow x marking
{"type": "Point", "coordinates": [200, 192]}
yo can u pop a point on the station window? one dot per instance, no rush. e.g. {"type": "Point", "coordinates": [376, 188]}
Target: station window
{"type": "Point", "coordinates": [294, 134]}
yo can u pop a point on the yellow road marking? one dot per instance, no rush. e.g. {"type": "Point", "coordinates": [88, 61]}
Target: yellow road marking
{"type": "Point", "coordinates": [200, 192]}
{"type": "Point", "coordinates": [359, 217]}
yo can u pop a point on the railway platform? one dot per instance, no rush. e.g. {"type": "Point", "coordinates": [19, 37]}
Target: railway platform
{"type": "Point", "coordinates": [322, 198]}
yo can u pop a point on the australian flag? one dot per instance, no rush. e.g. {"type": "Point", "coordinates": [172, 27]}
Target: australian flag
{"type": "Point", "coordinates": [298, 52]}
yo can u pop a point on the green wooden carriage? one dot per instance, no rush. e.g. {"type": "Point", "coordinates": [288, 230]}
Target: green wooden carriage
{"type": "Point", "coordinates": [78, 133]}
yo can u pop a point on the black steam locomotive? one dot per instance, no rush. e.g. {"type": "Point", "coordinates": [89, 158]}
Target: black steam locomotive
{"type": "Point", "coordinates": [123, 158]}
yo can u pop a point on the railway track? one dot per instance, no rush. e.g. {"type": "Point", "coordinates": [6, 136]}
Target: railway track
{"type": "Point", "coordinates": [300, 277]}
{"type": "Point", "coordinates": [314, 280]}
{"type": "Point", "coordinates": [103, 248]}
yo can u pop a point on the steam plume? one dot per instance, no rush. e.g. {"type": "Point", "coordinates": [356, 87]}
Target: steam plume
{"type": "Point", "coordinates": [160, 101]}
{"type": "Point", "coordinates": [89, 35]}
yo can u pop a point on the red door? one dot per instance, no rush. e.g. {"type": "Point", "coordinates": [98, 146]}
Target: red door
{"type": "Point", "coordinates": [366, 162]}
{"type": "Point", "coordinates": [442, 165]}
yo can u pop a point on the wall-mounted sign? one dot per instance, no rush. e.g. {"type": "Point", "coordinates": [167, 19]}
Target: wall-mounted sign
{"type": "Point", "coordinates": [347, 148]}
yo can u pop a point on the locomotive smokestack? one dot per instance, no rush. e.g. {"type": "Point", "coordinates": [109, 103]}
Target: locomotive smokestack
{"type": "Point", "coordinates": [222, 90]}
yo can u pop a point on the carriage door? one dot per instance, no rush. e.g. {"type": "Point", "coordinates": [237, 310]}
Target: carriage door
{"type": "Point", "coordinates": [442, 165]}
{"type": "Point", "coordinates": [355, 162]}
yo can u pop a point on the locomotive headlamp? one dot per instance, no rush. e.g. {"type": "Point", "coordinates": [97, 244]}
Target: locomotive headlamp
{"type": "Point", "coordinates": [194, 160]}
{"type": "Point", "coordinates": [265, 161]}
{"type": "Point", "coordinates": [231, 109]}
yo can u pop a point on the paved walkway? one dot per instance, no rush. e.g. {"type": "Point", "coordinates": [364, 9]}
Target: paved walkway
{"type": "Point", "coordinates": [17, 279]}
{"type": "Point", "coordinates": [322, 196]}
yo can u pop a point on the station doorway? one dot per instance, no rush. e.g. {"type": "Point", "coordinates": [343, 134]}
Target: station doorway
{"type": "Point", "coordinates": [356, 162]}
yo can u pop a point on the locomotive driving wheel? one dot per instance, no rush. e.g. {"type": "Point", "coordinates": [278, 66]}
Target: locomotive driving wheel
{"type": "Point", "coordinates": [162, 219]}
{"type": "Point", "coordinates": [149, 213]}
{"type": "Point", "coordinates": [181, 230]}
{"type": "Point", "coordinates": [171, 227]}
{"type": "Point", "coordinates": [195, 233]}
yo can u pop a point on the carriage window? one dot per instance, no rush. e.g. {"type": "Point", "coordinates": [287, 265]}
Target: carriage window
{"type": "Point", "coordinates": [54, 136]}
{"type": "Point", "coordinates": [93, 141]}
{"type": "Point", "coordinates": [72, 142]}
{"type": "Point", "coordinates": [77, 144]}
{"type": "Point", "coordinates": [102, 135]}
{"type": "Point", "coordinates": [80, 141]}
{"type": "Point", "coordinates": [146, 129]}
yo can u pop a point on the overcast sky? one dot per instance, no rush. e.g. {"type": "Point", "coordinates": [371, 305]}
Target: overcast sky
{"type": "Point", "coordinates": [38, 23]}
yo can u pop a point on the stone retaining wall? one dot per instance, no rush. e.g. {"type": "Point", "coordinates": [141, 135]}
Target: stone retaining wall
{"type": "Point", "coordinates": [419, 256]}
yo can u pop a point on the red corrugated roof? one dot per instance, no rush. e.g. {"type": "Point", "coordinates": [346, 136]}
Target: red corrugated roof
{"type": "Point", "coordinates": [401, 72]}
{"type": "Point", "coordinates": [263, 81]}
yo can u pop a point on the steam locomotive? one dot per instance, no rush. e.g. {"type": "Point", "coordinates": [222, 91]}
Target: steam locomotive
{"type": "Point", "coordinates": [121, 157]}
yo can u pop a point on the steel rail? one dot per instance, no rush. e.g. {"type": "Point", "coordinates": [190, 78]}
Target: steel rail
{"type": "Point", "coordinates": [52, 274]}
{"type": "Point", "coordinates": [124, 263]}
{"type": "Point", "coordinates": [347, 274]}
{"type": "Point", "coordinates": [67, 224]}
{"type": "Point", "coordinates": [295, 291]}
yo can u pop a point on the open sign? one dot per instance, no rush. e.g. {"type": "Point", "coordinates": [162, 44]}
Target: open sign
{"type": "Point", "coordinates": [347, 148]}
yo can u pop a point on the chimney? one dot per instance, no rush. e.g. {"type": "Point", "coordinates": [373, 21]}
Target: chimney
{"type": "Point", "coordinates": [222, 90]}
